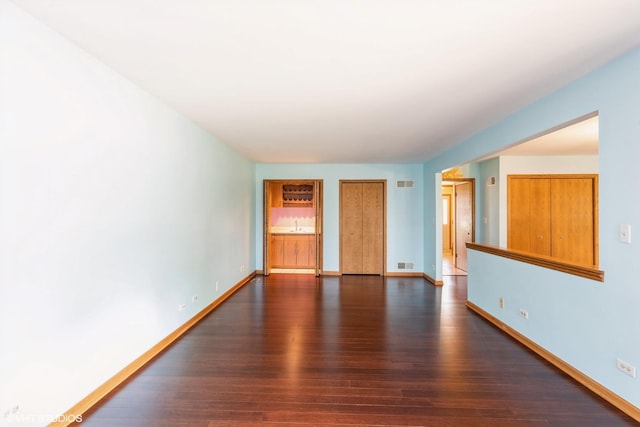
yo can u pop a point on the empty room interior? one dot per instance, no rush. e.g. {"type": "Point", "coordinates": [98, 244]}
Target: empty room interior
{"type": "Point", "coordinates": [319, 213]}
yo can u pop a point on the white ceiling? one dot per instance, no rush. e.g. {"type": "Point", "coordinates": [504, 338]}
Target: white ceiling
{"type": "Point", "coordinates": [581, 138]}
{"type": "Point", "coordinates": [346, 80]}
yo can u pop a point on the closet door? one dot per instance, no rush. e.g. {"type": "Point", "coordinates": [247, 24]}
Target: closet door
{"type": "Point", "coordinates": [528, 213]}
{"type": "Point", "coordinates": [573, 221]}
{"type": "Point", "coordinates": [373, 228]}
{"type": "Point", "coordinates": [362, 211]}
{"type": "Point", "coordinates": [539, 219]}
{"type": "Point", "coordinates": [518, 201]}
{"type": "Point", "coordinates": [554, 215]}
{"type": "Point", "coordinates": [351, 232]}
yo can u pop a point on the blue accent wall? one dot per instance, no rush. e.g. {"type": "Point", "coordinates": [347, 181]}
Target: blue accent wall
{"type": "Point", "coordinates": [586, 323]}
{"type": "Point", "coordinates": [404, 206]}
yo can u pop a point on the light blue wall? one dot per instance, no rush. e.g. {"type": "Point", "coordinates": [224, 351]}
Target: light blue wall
{"type": "Point", "coordinates": [586, 323]}
{"type": "Point", "coordinates": [404, 206]}
{"type": "Point", "coordinates": [114, 210]}
{"type": "Point", "coordinates": [488, 202]}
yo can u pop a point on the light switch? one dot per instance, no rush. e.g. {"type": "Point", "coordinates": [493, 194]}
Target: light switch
{"type": "Point", "coordinates": [625, 233]}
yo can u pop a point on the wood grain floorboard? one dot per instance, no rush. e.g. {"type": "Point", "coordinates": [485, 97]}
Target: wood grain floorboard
{"type": "Point", "coordinates": [295, 350]}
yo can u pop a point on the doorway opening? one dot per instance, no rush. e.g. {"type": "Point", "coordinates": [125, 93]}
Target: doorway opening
{"type": "Point", "coordinates": [570, 148]}
{"type": "Point", "coordinates": [292, 213]}
{"type": "Point", "coordinates": [458, 224]}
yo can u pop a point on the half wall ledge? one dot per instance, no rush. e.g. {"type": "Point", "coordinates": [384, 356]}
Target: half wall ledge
{"type": "Point", "coordinates": [589, 272]}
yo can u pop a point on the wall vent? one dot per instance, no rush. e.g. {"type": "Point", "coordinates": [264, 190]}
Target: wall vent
{"type": "Point", "coordinates": [405, 266]}
{"type": "Point", "coordinates": [404, 184]}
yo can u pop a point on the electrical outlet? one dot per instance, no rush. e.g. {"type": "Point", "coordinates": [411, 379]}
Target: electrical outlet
{"type": "Point", "coordinates": [626, 368]}
{"type": "Point", "coordinates": [194, 298]}
{"type": "Point", "coordinates": [217, 286]}
{"type": "Point", "coordinates": [524, 313]}
{"type": "Point", "coordinates": [501, 302]}
{"type": "Point", "coordinates": [182, 307]}
{"type": "Point", "coordinates": [242, 268]}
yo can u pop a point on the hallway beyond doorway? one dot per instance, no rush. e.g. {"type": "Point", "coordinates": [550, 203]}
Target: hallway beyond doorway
{"type": "Point", "coordinates": [449, 266]}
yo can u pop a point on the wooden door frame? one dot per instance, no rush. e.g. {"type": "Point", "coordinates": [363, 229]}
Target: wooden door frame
{"type": "Point", "coordinates": [318, 192]}
{"type": "Point", "coordinates": [318, 208]}
{"type": "Point", "coordinates": [455, 182]}
{"type": "Point", "coordinates": [384, 219]}
{"type": "Point", "coordinates": [450, 218]}
{"type": "Point", "coordinates": [266, 236]}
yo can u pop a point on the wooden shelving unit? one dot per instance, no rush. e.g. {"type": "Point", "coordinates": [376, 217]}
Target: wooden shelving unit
{"type": "Point", "coordinates": [297, 195]}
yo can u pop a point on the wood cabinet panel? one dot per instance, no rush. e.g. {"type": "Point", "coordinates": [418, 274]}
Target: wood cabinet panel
{"type": "Point", "coordinates": [277, 250]}
{"type": "Point", "coordinates": [275, 193]}
{"type": "Point", "coordinates": [305, 256]}
{"type": "Point", "coordinates": [293, 250]}
{"type": "Point", "coordinates": [311, 252]}
{"type": "Point", "coordinates": [290, 251]}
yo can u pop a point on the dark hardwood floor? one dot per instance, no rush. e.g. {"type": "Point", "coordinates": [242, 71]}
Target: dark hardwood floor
{"type": "Point", "coordinates": [356, 350]}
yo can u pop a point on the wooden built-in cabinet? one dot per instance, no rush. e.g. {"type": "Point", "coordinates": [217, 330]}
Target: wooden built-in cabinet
{"type": "Point", "coordinates": [275, 195]}
{"type": "Point", "coordinates": [292, 237]}
{"type": "Point", "coordinates": [276, 250]}
{"type": "Point", "coordinates": [291, 195]}
{"type": "Point", "coordinates": [293, 250]}
{"type": "Point", "coordinates": [297, 195]}
{"type": "Point", "coordinates": [554, 215]}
